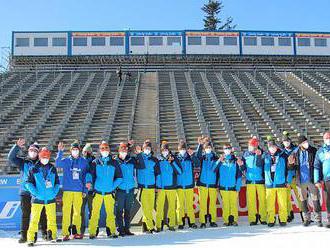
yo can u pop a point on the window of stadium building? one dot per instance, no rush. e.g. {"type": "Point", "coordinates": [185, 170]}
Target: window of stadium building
{"type": "Point", "coordinates": [196, 40]}
{"type": "Point", "coordinates": [304, 41]}
{"type": "Point", "coordinates": [320, 42]}
{"type": "Point", "coordinates": [116, 41]}
{"type": "Point", "coordinates": [56, 42]}
{"type": "Point", "coordinates": [155, 41]}
{"type": "Point", "coordinates": [80, 41]}
{"type": "Point", "coordinates": [284, 41]}
{"type": "Point", "coordinates": [98, 41]}
{"type": "Point", "coordinates": [230, 41]}
{"type": "Point", "coordinates": [22, 42]}
{"type": "Point", "coordinates": [172, 41]}
{"type": "Point", "coordinates": [40, 42]}
{"type": "Point", "coordinates": [137, 41]}
{"type": "Point", "coordinates": [250, 41]}
{"type": "Point", "coordinates": [267, 41]}
{"type": "Point", "coordinates": [212, 41]}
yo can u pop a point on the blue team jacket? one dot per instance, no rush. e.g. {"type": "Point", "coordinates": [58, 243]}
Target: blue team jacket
{"type": "Point", "coordinates": [75, 171]}
{"type": "Point", "coordinates": [43, 183]}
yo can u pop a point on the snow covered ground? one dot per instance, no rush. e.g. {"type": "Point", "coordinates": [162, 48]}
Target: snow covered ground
{"type": "Point", "coordinates": [294, 235]}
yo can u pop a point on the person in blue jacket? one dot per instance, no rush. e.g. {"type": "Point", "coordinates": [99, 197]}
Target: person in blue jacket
{"type": "Point", "coordinates": [253, 167]}
{"type": "Point", "coordinates": [75, 169]}
{"type": "Point", "coordinates": [276, 181]}
{"type": "Point", "coordinates": [107, 177]}
{"type": "Point", "coordinates": [290, 148]}
{"type": "Point", "coordinates": [43, 184]}
{"type": "Point", "coordinates": [322, 171]}
{"type": "Point", "coordinates": [24, 165]}
{"type": "Point", "coordinates": [207, 183]}
{"type": "Point", "coordinates": [125, 196]}
{"type": "Point", "coordinates": [146, 179]}
{"type": "Point", "coordinates": [166, 184]}
{"type": "Point", "coordinates": [186, 185]}
{"type": "Point", "coordinates": [229, 182]}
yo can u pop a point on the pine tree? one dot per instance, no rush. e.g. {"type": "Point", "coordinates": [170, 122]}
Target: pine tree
{"type": "Point", "coordinates": [211, 21]}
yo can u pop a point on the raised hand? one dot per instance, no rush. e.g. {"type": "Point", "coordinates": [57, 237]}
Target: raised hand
{"type": "Point", "coordinates": [291, 159]}
{"type": "Point", "coordinates": [20, 142]}
{"type": "Point", "coordinates": [138, 149]}
{"type": "Point", "coordinates": [240, 162]}
{"type": "Point", "coordinates": [60, 146]}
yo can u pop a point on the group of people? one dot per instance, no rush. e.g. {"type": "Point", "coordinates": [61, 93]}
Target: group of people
{"type": "Point", "coordinates": [111, 179]}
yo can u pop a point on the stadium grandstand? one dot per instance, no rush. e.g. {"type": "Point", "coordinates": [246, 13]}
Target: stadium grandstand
{"type": "Point", "coordinates": [176, 85]}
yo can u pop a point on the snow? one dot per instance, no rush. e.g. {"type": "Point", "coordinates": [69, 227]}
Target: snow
{"type": "Point", "coordinates": [293, 235]}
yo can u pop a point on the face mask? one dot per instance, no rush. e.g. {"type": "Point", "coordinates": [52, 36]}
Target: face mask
{"type": "Point", "coordinates": [33, 154]}
{"type": "Point", "coordinates": [165, 154]}
{"type": "Point", "coordinates": [286, 144]}
{"type": "Point", "coordinates": [75, 153]}
{"type": "Point", "coordinates": [272, 150]}
{"type": "Point", "coordinates": [147, 151]}
{"type": "Point", "coordinates": [305, 145]}
{"type": "Point", "coordinates": [182, 152]}
{"type": "Point", "coordinates": [208, 151]}
{"type": "Point", "coordinates": [123, 154]}
{"type": "Point", "coordinates": [227, 151]}
{"type": "Point", "coordinates": [327, 142]}
{"type": "Point", "coordinates": [44, 161]}
{"type": "Point", "coordinates": [251, 148]}
{"type": "Point", "coordinates": [105, 154]}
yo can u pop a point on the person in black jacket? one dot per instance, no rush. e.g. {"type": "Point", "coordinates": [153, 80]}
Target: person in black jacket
{"type": "Point", "coordinates": [304, 165]}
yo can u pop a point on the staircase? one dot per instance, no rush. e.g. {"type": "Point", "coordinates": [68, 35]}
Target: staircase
{"type": "Point", "coordinates": [145, 118]}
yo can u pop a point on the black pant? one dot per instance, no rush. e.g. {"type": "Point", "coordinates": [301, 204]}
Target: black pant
{"type": "Point", "coordinates": [327, 195]}
{"type": "Point", "coordinates": [26, 212]}
{"type": "Point", "coordinates": [124, 204]}
{"type": "Point", "coordinates": [88, 199]}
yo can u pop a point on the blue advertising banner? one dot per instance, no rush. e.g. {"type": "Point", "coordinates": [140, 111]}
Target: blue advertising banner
{"type": "Point", "coordinates": [10, 211]}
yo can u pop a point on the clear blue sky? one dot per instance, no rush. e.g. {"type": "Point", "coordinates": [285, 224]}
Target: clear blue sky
{"type": "Point", "coordinates": [55, 15]}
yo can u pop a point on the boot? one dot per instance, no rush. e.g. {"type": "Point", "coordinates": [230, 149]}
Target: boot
{"type": "Point", "coordinates": [203, 225]}
{"type": "Point", "coordinates": [73, 230]}
{"type": "Point", "coordinates": [66, 238]}
{"type": "Point", "coordinates": [50, 236]}
{"type": "Point", "coordinates": [44, 235]}
{"type": "Point", "coordinates": [144, 227]}
{"type": "Point", "coordinates": [191, 225]}
{"type": "Point", "coordinates": [128, 232]}
{"type": "Point", "coordinates": [109, 234]}
{"type": "Point", "coordinates": [230, 219]}
{"type": "Point", "coordinates": [213, 224]}
{"type": "Point", "coordinates": [327, 225]}
{"type": "Point", "coordinates": [23, 238]}
{"type": "Point", "coordinates": [78, 236]}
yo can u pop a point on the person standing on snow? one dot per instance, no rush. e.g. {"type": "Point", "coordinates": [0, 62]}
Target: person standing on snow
{"type": "Point", "coordinates": [44, 184]}
{"type": "Point", "coordinates": [304, 168]}
{"type": "Point", "coordinates": [107, 177]}
{"type": "Point", "coordinates": [125, 196]}
{"type": "Point", "coordinates": [186, 185]}
{"type": "Point", "coordinates": [24, 166]}
{"type": "Point", "coordinates": [207, 185]}
{"type": "Point", "coordinates": [146, 179]}
{"type": "Point", "coordinates": [75, 169]}
{"type": "Point", "coordinates": [322, 171]}
{"type": "Point", "coordinates": [253, 166]}
{"type": "Point", "coordinates": [229, 182]}
{"type": "Point", "coordinates": [166, 184]}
